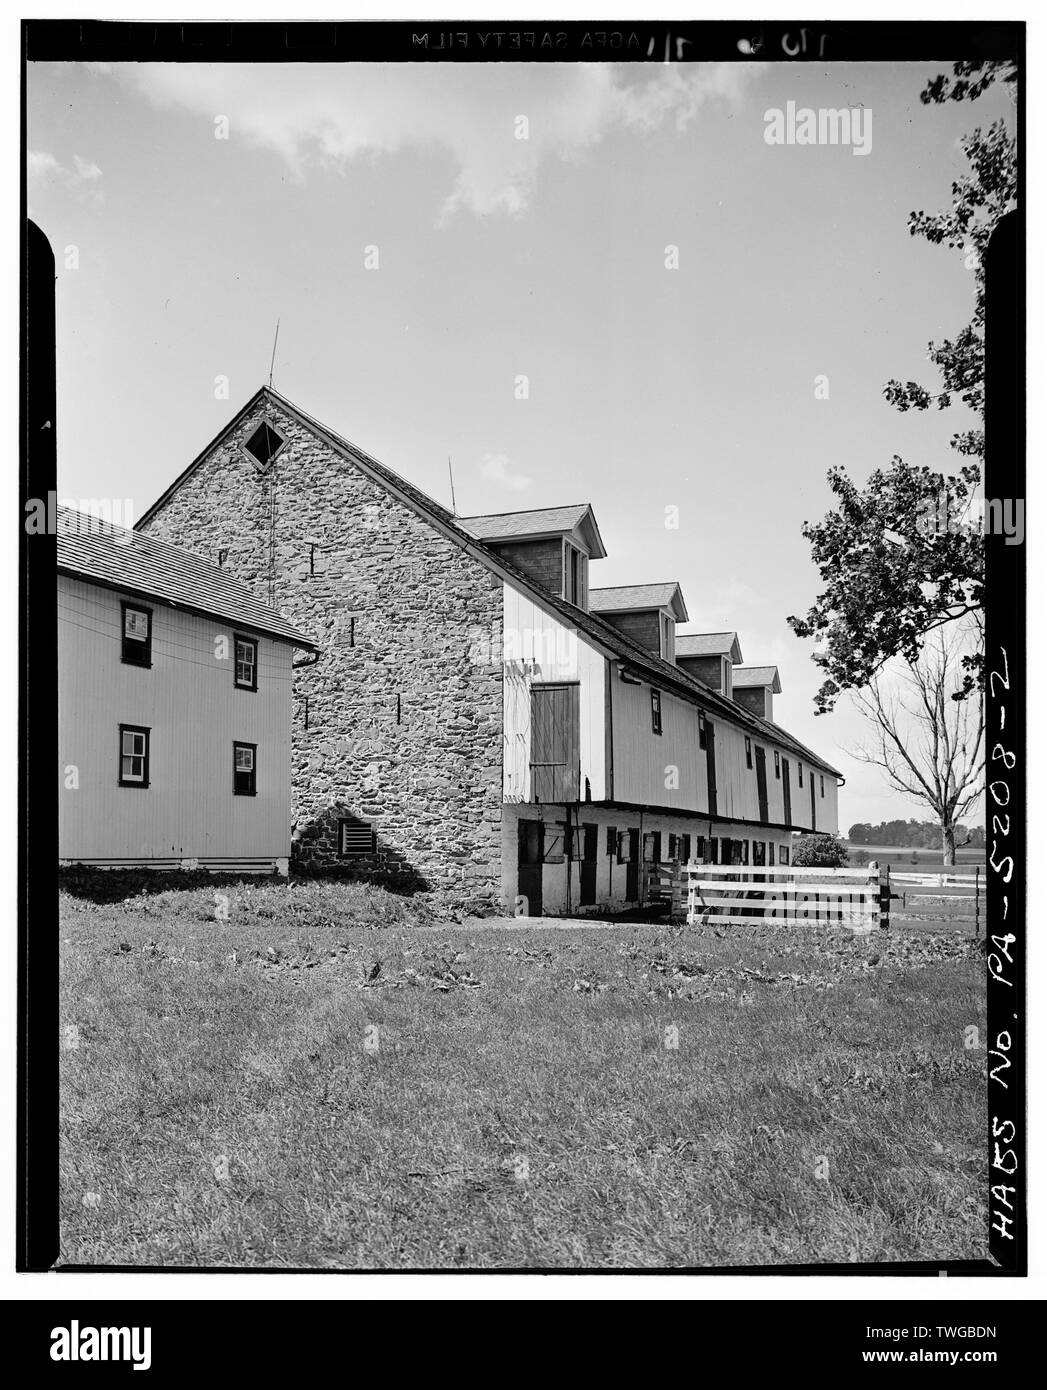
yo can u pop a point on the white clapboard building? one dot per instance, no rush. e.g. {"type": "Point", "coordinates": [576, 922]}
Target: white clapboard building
{"type": "Point", "coordinates": [174, 707]}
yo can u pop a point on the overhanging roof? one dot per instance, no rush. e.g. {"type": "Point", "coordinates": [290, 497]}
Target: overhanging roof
{"type": "Point", "coordinates": [639, 598]}
{"type": "Point", "coordinates": [754, 677]}
{"type": "Point", "coordinates": [708, 644]}
{"type": "Point", "coordinates": [540, 521]}
{"type": "Point", "coordinates": [129, 561]}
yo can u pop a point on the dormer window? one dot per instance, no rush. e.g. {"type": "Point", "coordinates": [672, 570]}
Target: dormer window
{"type": "Point", "coordinates": [668, 629]}
{"type": "Point", "coordinates": [575, 575]}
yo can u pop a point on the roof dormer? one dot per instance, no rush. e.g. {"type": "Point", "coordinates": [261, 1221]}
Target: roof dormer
{"type": "Point", "coordinates": [755, 688]}
{"type": "Point", "coordinates": [646, 613]}
{"type": "Point", "coordinates": [710, 657]}
{"type": "Point", "coordinates": [552, 546]}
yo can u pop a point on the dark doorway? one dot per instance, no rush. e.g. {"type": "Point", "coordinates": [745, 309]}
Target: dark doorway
{"type": "Point", "coordinates": [761, 782]}
{"type": "Point", "coordinates": [531, 845]}
{"type": "Point", "coordinates": [710, 763]}
{"type": "Point", "coordinates": [632, 869]}
{"type": "Point", "coordinates": [587, 868]}
{"type": "Point", "coordinates": [554, 743]}
{"type": "Point", "coordinates": [787, 792]}
{"type": "Point", "coordinates": [811, 780]}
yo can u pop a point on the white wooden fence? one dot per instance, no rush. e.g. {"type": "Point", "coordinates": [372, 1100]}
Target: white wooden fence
{"type": "Point", "coordinates": [737, 894]}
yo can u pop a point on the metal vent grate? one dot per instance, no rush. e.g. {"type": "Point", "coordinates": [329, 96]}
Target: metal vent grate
{"type": "Point", "coordinates": [355, 838]}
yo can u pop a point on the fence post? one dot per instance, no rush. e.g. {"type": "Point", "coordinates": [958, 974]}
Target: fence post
{"type": "Point", "coordinates": [885, 899]}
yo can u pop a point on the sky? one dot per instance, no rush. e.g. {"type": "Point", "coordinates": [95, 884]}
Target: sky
{"type": "Point", "coordinates": [501, 257]}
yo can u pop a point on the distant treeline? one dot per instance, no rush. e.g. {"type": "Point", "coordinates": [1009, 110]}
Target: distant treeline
{"type": "Point", "coordinates": [915, 834]}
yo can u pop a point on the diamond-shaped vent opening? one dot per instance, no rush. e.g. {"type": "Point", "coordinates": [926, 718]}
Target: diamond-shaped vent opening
{"type": "Point", "coordinates": [264, 444]}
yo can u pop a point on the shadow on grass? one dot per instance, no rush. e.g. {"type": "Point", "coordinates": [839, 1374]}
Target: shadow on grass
{"type": "Point", "coordinates": [117, 885]}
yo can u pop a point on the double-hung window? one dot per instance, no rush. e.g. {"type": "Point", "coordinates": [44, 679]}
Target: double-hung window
{"type": "Point", "coordinates": [246, 665]}
{"type": "Point", "coordinates": [134, 756]}
{"type": "Point", "coordinates": [575, 575]}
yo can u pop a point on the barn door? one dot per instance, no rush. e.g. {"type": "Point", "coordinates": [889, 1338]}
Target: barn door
{"type": "Point", "coordinates": [587, 868]}
{"type": "Point", "coordinates": [710, 763]}
{"type": "Point", "coordinates": [531, 852]}
{"type": "Point", "coordinates": [787, 792]}
{"type": "Point", "coordinates": [632, 868]}
{"type": "Point", "coordinates": [761, 781]}
{"type": "Point", "coordinates": [554, 743]}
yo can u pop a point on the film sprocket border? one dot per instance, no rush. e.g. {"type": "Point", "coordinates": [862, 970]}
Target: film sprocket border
{"type": "Point", "coordinates": [640, 42]}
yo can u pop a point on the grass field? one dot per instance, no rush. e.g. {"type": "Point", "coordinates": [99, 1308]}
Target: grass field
{"type": "Point", "coordinates": [328, 1079]}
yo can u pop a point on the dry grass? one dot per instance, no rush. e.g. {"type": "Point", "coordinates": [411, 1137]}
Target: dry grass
{"type": "Point", "coordinates": [316, 1082]}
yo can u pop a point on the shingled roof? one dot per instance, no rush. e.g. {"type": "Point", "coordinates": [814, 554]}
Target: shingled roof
{"type": "Point", "coordinates": [632, 598]}
{"type": "Point", "coordinates": [542, 521]}
{"type": "Point", "coordinates": [752, 677]}
{"type": "Point", "coordinates": [668, 676]}
{"type": "Point", "coordinates": [135, 563]}
{"type": "Point", "coordinates": [708, 644]}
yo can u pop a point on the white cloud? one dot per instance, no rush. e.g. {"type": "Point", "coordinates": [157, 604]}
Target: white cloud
{"type": "Point", "coordinates": [497, 468]}
{"type": "Point", "coordinates": [325, 117]}
{"type": "Point", "coordinates": [44, 167]}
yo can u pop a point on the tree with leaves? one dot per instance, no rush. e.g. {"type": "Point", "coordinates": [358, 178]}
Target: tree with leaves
{"type": "Point", "coordinates": [892, 571]}
{"type": "Point", "coordinates": [930, 745]}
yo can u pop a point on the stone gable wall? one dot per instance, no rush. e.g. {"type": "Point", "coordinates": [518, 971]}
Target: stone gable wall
{"type": "Point", "coordinates": [410, 630]}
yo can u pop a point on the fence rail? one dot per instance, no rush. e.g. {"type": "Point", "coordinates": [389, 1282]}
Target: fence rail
{"type": "Point", "coordinates": [856, 898]}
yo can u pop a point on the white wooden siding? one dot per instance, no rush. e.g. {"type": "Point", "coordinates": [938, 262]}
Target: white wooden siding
{"type": "Point", "coordinates": [648, 769]}
{"type": "Point", "coordinates": [195, 713]}
{"type": "Point", "coordinates": [537, 647]}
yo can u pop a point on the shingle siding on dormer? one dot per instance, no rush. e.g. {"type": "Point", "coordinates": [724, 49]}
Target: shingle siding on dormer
{"type": "Point", "coordinates": [540, 560]}
{"type": "Point", "coordinates": [642, 628]}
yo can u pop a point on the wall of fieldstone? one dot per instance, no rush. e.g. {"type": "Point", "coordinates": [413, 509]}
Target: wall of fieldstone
{"type": "Point", "coordinates": [400, 721]}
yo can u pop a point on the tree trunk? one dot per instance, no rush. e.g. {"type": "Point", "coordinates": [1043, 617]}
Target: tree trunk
{"type": "Point", "coordinates": [948, 845]}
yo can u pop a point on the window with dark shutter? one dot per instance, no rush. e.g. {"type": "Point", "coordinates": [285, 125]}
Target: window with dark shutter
{"type": "Point", "coordinates": [777, 765]}
{"type": "Point", "coordinates": [685, 849]}
{"type": "Point", "coordinates": [136, 629]}
{"type": "Point", "coordinates": [244, 769]}
{"type": "Point", "coordinates": [748, 753]}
